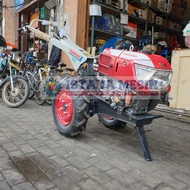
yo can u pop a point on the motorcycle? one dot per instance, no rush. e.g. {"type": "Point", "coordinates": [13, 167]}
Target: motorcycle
{"type": "Point", "coordinates": [14, 87]}
{"type": "Point", "coordinates": [121, 86]}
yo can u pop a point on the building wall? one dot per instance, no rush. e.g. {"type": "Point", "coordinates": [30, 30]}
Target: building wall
{"type": "Point", "coordinates": [8, 25]}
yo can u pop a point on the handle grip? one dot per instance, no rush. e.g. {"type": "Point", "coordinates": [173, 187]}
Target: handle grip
{"type": "Point", "coordinates": [50, 23]}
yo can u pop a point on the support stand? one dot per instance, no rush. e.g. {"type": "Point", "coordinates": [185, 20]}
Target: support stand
{"type": "Point", "coordinates": [143, 142]}
{"type": "Point", "coordinates": [138, 121]}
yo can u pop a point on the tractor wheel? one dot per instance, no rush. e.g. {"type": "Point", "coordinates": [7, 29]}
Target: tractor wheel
{"type": "Point", "coordinates": [110, 122]}
{"type": "Point", "coordinates": [70, 114]}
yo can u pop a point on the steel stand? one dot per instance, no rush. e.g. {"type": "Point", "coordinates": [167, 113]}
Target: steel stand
{"type": "Point", "coordinates": [143, 142]}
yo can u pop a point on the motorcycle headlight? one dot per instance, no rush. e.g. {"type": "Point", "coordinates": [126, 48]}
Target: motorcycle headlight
{"type": "Point", "coordinates": [144, 73]}
{"type": "Point", "coordinates": [162, 79]}
{"type": "Point", "coordinates": [152, 78]}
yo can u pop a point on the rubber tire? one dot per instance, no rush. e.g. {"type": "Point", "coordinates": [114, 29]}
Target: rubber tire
{"type": "Point", "coordinates": [49, 100]}
{"type": "Point", "coordinates": [111, 123]}
{"type": "Point", "coordinates": [79, 118]}
{"type": "Point", "coordinates": [23, 100]}
{"type": "Point", "coordinates": [31, 91]}
{"type": "Point", "coordinates": [40, 100]}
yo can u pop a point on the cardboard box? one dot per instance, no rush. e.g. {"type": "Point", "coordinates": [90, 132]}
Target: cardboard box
{"type": "Point", "coordinates": [154, 3]}
{"type": "Point", "coordinates": [150, 16]}
{"type": "Point", "coordinates": [130, 30]}
{"type": "Point", "coordinates": [142, 13]}
{"type": "Point", "coordinates": [146, 2]}
{"type": "Point", "coordinates": [175, 10]}
{"type": "Point", "coordinates": [159, 20]}
{"type": "Point", "coordinates": [177, 2]}
{"type": "Point", "coordinates": [132, 10]}
{"type": "Point", "coordinates": [184, 4]}
{"type": "Point", "coordinates": [180, 80]}
{"type": "Point", "coordinates": [162, 5]}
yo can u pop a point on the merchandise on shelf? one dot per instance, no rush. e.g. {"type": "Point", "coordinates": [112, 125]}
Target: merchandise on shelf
{"type": "Point", "coordinates": [112, 24]}
{"type": "Point", "coordinates": [146, 2]}
{"type": "Point", "coordinates": [159, 20]}
{"type": "Point", "coordinates": [99, 43]}
{"type": "Point", "coordinates": [132, 10]}
{"type": "Point", "coordinates": [150, 15]}
{"type": "Point", "coordinates": [100, 23]}
{"type": "Point", "coordinates": [159, 35]}
{"type": "Point", "coordinates": [142, 13]}
{"type": "Point", "coordinates": [186, 33]}
{"type": "Point", "coordinates": [140, 19]}
{"type": "Point", "coordinates": [122, 4]}
{"type": "Point", "coordinates": [144, 41]}
{"type": "Point", "coordinates": [184, 4]}
{"type": "Point", "coordinates": [130, 30]}
{"type": "Point", "coordinates": [177, 2]}
{"type": "Point", "coordinates": [172, 25]}
{"type": "Point", "coordinates": [108, 22]}
{"type": "Point", "coordinates": [113, 3]}
{"type": "Point", "coordinates": [173, 43]}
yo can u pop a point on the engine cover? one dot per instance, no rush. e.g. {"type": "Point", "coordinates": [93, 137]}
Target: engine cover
{"type": "Point", "coordinates": [119, 64]}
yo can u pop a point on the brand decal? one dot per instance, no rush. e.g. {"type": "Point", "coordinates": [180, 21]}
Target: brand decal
{"type": "Point", "coordinates": [129, 54]}
{"type": "Point", "coordinates": [75, 55]}
{"type": "Point", "coordinates": [162, 64]}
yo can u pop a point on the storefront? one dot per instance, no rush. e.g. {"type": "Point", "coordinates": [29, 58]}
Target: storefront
{"type": "Point", "coordinates": [72, 15]}
{"type": "Point", "coordinates": [25, 14]}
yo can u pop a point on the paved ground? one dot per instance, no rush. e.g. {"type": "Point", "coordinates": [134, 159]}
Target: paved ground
{"type": "Point", "coordinates": [33, 155]}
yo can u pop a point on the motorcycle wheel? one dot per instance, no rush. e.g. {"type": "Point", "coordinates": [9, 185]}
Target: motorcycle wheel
{"type": "Point", "coordinates": [40, 94]}
{"type": "Point", "coordinates": [19, 96]}
{"type": "Point", "coordinates": [70, 114]}
{"type": "Point", "coordinates": [110, 122]}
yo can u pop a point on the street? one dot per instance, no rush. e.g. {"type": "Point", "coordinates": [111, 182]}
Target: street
{"type": "Point", "coordinates": [34, 156]}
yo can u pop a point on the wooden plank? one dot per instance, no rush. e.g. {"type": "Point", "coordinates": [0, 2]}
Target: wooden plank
{"type": "Point", "coordinates": [82, 23]}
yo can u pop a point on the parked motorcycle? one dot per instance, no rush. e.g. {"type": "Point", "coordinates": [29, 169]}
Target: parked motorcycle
{"type": "Point", "coordinates": [14, 87]}
{"type": "Point", "coordinates": [120, 86]}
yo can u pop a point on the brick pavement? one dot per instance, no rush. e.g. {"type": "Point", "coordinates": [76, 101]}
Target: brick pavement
{"type": "Point", "coordinates": [34, 156]}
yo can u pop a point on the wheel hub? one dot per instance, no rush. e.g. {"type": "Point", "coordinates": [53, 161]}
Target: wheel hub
{"type": "Point", "coordinates": [64, 107]}
{"type": "Point", "coordinates": [15, 92]}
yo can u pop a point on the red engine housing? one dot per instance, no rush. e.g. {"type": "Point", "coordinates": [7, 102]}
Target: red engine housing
{"type": "Point", "coordinates": [120, 64]}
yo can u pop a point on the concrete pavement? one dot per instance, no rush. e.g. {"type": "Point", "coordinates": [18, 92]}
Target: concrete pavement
{"type": "Point", "coordinates": [34, 156]}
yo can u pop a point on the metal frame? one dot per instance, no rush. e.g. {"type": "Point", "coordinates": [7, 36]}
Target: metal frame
{"type": "Point", "coordinates": [138, 121]}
